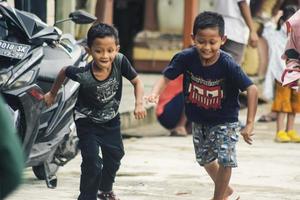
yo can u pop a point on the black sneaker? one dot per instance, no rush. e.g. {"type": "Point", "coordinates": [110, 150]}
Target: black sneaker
{"type": "Point", "coordinates": [107, 196]}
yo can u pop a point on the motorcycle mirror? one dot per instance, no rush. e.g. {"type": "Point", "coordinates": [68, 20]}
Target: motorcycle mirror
{"type": "Point", "coordinates": [82, 17]}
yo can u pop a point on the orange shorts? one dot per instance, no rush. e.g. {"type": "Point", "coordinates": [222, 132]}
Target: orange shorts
{"type": "Point", "coordinates": [286, 99]}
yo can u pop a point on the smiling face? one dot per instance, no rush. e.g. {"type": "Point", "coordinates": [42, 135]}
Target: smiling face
{"type": "Point", "coordinates": [208, 42]}
{"type": "Point", "coordinates": [104, 50]}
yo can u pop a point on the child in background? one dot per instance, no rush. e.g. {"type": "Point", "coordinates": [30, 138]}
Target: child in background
{"type": "Point", "coordinates": [96, 112]}
{"type": "Point", "coordinates": [292, 53]}
{"type": "Point", "coordinates": [170, 108]}
{"type": "Point", "coordinates": [212, 82]}
{"type": "Point", "coordinates": [286, 100]}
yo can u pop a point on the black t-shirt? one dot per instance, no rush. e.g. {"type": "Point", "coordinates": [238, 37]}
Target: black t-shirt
{"type": "Point", "coordinates": [100, 100]}
{"type": "Point", "coordinates": [211, 92]}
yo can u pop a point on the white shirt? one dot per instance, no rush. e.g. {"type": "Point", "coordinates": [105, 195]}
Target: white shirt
{"type": "Point", "coordinates": [276, 40]}
{"type": "Point", "coordinates": [236, 28]}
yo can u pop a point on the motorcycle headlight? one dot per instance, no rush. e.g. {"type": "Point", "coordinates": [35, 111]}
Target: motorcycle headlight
{"type": "Point", "coordinates": [22, 80]}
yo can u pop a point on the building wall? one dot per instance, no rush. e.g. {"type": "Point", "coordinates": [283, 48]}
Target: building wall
{"type": "Point", "coordinates": [62, 11]}
{"type": "Point", "coordinates": [50, 12]}
{"type": "Point", "coordinates": [65, 7]}
{"type": "Point", "coordinates": [171, 14]}
{"type": "Point", "coordinates": [11, 3]}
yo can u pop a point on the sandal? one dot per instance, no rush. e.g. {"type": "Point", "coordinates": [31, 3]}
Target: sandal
{"type": "Point", "coordinates": [267, 118]}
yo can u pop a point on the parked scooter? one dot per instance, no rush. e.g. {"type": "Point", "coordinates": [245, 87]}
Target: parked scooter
{"type": "Point", "coordinates": [31, 55]}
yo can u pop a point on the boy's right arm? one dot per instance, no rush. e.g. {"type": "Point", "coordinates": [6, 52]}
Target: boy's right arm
{"type": "Point", "coordinates": [157, 89]}
{"type": "Point", "coordinates": [246, 13]}
{"type": "Point", "coordinates": [50, 96]}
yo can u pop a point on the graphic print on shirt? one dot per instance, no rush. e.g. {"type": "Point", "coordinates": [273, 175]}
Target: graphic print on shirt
{"type": "Point", "coordinates": [109, 111]}
{"type": "Point", "coordinates": [207, 94]}
{"type": "Point", "coordinates": [105, 94]}
{"type": "Point", "coordinates": [104, 97]}
{"type": "Point", "coordinates": [107, 91]}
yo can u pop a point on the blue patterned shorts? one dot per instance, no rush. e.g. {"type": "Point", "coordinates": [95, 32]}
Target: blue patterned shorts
{"type": "Point", "coordinates": [216, 142]}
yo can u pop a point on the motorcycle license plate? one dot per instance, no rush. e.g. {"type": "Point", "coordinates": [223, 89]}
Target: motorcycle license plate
{"type": "Point", "coordinates": [13, 50]}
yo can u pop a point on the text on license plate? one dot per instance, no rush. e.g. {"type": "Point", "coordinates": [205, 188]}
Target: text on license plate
{"type": "Point", "coordinates": [13, 50]}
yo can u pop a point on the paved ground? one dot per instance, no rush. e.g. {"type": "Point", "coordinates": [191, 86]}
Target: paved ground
{"type": "Point", "coordinates": [159, 167]}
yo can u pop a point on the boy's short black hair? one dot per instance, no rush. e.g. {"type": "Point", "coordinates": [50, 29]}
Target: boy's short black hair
{"type": "Point", "coordinates": [101, 30]}
{"type": "Point", "coordinates": [209, 19]}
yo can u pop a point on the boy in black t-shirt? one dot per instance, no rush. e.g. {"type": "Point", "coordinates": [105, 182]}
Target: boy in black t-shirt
{"type": "Point", "coordinates": [96, 111]}
{"type": "Point", "coordinates": [211, 85]}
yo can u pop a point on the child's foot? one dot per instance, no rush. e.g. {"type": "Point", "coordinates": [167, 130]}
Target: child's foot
{"type": "Point", "coordinates": [230, 194]}
{"type": "Point", "coordinates": [179, 131]}
{"type": "Point", "coordinates": [293, 135]}
{"type": "Point", "coordinates": [282, 136]}
{"type": "Point", "coordinates": [233, 196]}
{"type": "Point", "coordinates": [107, 196]}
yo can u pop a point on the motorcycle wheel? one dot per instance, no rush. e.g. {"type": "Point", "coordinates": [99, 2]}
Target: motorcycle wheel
{"type": "Point", "coordinates": [39, 171]}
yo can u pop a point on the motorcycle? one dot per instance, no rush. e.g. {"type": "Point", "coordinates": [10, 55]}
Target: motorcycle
{"type": "Point", "coordinates": [31, 55]}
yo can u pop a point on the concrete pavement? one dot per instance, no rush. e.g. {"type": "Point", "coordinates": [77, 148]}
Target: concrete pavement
{"type": "Point", "coordinates": [159, 167]}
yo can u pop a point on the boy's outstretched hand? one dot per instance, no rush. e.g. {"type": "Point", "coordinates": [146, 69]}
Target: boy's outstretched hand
{"type": "Point", "coordinates": [247, 133]}
{"type": "Point", "coordinates": [49, 99]}
{"type": "Point", "coordinates": [152, 98]}
{"type": "Point", "coordinates": [140, 111]}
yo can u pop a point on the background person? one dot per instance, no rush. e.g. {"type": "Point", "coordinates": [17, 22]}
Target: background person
{"type": "Point", "coordinates": [239, 29]}
{"type": "Point", "coordinates": [170, 108]}
{"type": "Point", "coordinates": [286, 100]}
{"type": "Point", "coordinates": [11, 154]}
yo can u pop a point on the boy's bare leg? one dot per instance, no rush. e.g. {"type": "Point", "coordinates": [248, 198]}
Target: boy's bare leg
{"type": "Point", "coordinates": [222, 182]}
{"type": "Point", "coordinates": [213, 169]}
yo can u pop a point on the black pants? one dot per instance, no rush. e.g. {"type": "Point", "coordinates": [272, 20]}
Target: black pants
{"type": "Point", "coordinates": [98, 173]}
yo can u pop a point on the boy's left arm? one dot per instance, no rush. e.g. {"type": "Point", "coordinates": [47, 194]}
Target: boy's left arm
{"type": "Point", "coordinates": [252, 95]}
{"type": "Point", "coordinates": [139, 110]}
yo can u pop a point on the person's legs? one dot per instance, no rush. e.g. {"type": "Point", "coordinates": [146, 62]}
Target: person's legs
{"type": "Point", "coordinates": [112, 152]}
{"type": "Point", "coordinates": [213, 170]}
{"type": "Point", "coordinates": [91, 162]}
{"type": "Point", "coordinates": [227, 137]}
{"type": "Point", "coordinates": [290, 121]}
{"type": "Point", "coordinates": [281, 105]}
{"type": "Point", "coordinates": [208, 141]}
{"type": "Point", "coordinates": [295, 102]}
{"type": "Point", "coordinates": [280, 121]}
{"type": "Point", "coordinates": [111, 163]}
{"type": "Point", "coordinates": [222, 182]}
